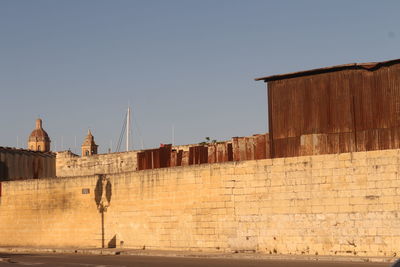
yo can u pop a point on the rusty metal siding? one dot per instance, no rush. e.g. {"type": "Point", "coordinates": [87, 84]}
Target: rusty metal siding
{"type": "Point", "coordinates": [165, 156]}
{"type": "Point", "coordinates": [346, 110]}
{"type": "Point", "coordinates": [140, 161]}
{"type": "Point", "coordinates": [377, 99]}
{"type": "Point", "coordinates": [308, 105]}
{"type": "Point", "coordinates": [174, 154]}
{"type": "Point", "coordinates": [245, 148]}
{"type": "Point", "coordinates": [220, 152]}
{"type": "Point", "coordinates": [154, 158]}
{"type": "Point", "coordinates": [198, 155]}
{"type": "Point", "coordinates": [260, 146]}
{"type": "Point", "coordinates": [230, 152]}
{"type": "Point", "coordinates": [18, 164]}
{"type": "Point", "coordinates": [185, 158]}
{"type": "Point", "coordinates": [250, 147]}
{"type": "Point", "coordinates": [377, 105]}
{"type": "Point", "coordinates": [286, 147]}
{"type": "Point", "coordinates": [179, 158]}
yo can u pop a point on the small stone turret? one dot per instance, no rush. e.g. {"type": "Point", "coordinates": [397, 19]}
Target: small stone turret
{"type": "Point", "coordinates": [39, 140]}
{"type": "Point", "coordinates": [89, 147]}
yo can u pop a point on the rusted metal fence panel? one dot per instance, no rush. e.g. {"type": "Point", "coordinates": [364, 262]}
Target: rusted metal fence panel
{"type": "Point", "coordinates": [165, 156]}
{"type": "Point", "coordinates": [230, 152]}
{"type": "Point", "coordinates": [148, 159]}
{"type": "Point", "coordinates": [212, 154]}
{"type": "Point", "coordinates": [185, 158]}
{"type": "Point", "coordinates": [220, 152]}
{"type": "Point", "coordinates": [141, 161]}
{"type": "Point", "coordinates": [198, 155]}
{"type": "Point", "coordinates": [203, 151]}
{"type": "Point", "coordinates": [246, 148]}
{"type": "Point", "coordinates": [174, 156]}
{"type": "Point", "coordinates": [239, 148]}
{"type": "Point", "coordinates": [179, 158]}
{"type": "Point", "coordinates": [154, 158]}
{"type": "Point", "coordinates": [251, 147]}
{"type": "Point", "coordinates": [235, 148]}
{"type": "Point", "coordinates": [260, 144]}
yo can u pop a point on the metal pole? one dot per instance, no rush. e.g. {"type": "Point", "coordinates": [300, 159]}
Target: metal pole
{"type": "Point", "coordinates": [102, 228]}
{"type": "Point", "coordinates": [128, 125]}
{"type": "Point", "coordinates": [130, 130]}
{"type": "Point", "coordinates": [173, 135]}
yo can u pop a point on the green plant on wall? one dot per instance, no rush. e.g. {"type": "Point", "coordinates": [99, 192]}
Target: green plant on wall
{"type": "Point", "coordinates": [207, 141]}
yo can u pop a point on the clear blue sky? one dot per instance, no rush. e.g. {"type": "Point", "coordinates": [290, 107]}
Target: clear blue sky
{"type": "Point", "coordinates": [191, 64]}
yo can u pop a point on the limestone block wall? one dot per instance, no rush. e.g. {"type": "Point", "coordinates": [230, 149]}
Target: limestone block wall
{"type": "Point", "coordinates": [337, 204]}
{"type": "Point", "coordinates": [69, 164]}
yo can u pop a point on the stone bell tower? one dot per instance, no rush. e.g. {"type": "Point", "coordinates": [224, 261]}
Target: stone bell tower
{"type": "Point", "coordinates": [89, 147]}
{"type": "Point", "coordinates": [39, 140]}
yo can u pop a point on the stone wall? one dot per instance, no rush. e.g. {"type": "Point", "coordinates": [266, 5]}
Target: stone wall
{"type": "Point", "coordinates": [69, 164]}
{"type": "Point", "coordinates": [338, 204]}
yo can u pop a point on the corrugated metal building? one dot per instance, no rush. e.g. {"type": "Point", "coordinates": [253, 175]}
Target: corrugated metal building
{"type": "Point", "coordinates": [353, 107]}
{"type": "Point", "coordinates": [18, 164]}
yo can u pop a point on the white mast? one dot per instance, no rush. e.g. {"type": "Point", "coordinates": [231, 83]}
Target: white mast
{"type": "Point", "coordinates": [128, 126]}
{"type": "Point", "coordinates": [173, 135]}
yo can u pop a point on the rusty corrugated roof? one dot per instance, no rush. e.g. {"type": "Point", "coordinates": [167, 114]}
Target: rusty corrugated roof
{"type": "Point", "coordinates": [25, 151]}
{"type": "Point", "coordinates": [365, 66]}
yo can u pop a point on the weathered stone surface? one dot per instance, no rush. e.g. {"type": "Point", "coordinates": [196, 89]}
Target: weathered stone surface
{"type": "Point", "coordinates": [343, 204]}
{"type": "Point", "coordinates": [69, 164]}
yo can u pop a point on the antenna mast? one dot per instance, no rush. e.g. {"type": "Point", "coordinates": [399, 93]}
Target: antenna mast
{"type": "Point", "coordinates": [128, 127]}
{"type": "Point", "coordinates": [173, 135]}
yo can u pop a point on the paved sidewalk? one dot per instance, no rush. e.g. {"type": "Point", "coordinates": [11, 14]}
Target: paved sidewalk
{"type": "Point", "coordinates": [169, 253]}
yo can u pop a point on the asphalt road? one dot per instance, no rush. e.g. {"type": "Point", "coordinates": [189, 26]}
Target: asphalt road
{"type": "Point", "coordinates": [55, 260]}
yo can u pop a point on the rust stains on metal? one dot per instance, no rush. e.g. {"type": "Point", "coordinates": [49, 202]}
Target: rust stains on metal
{"type": "Point", "coordinates": [237, 149]}
{"type": "Point", "coordinates": [345, 108]}
{"type": "Point", "coordinates": [198, 155]}
{"type": "Point", "coordinates": [18, 164]}
{"type": "Point", "coordinates": [155, 158]}
{"type": "Point", "coordinates": [251, 147]}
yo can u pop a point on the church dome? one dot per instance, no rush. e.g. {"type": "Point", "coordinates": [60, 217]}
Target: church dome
{"type": "Point", "coordinates": [39, 140]}
{"type": "Point", "coordinates": [39, 134]}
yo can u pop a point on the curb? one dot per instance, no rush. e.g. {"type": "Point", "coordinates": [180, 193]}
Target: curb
{"type": "Point", "coordinates": [192, 254]}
